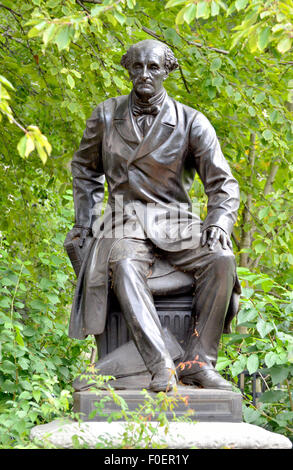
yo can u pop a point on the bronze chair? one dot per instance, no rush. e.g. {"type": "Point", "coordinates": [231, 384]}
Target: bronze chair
{"type": "Point", "coordinates": [172, 292]}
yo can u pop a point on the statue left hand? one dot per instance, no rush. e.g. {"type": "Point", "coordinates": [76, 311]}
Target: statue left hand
{"type": "Point", "coordinates": [212, 235]}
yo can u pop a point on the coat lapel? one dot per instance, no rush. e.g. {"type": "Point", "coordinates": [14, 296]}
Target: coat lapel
{"type": "Point", "coordinates": [163, 126]}
{"type": "Point", "coordinates": [124, 124]}
{"type": "Point", "coordinates": [159, 132]}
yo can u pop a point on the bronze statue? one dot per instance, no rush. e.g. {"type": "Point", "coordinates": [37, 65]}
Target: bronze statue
{"type": "Point", "coordinates": [149, 147]}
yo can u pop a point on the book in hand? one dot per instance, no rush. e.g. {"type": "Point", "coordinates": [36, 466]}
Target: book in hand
{"type": "Point", "coordinates": [76, 253]}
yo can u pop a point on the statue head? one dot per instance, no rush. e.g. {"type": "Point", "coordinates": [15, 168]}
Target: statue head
{"type": "Point", "coordinates": [149, 63]}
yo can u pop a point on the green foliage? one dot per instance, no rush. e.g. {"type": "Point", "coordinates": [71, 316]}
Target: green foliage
{"type": "Point", "coordinates": [38, 359]}
{"type": "Point", "coordinates": [263, 24]}
{"type": "Point", "coordinates": [266, 347]}
{"type": "Point", "coordinates": [58, 60]}
{"type": "Point", "coordinates": [33, 138]}
{"type": "Point", "coordinates": [143, 424]}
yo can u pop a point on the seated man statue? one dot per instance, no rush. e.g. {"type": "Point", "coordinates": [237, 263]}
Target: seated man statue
{"type": "Point", "coordinates": [149, 147]}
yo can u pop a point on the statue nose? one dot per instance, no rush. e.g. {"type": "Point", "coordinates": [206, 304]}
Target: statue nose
{"type": "Point", "coordinates": [144, 72]}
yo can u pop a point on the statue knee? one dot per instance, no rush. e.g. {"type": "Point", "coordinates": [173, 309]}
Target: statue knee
{"type": "Point", "coordinates": [224, 261]}
{"type": "Point", "coordinates": [122, 266]}
{"type": "Point", "coordinates": [122, 270]}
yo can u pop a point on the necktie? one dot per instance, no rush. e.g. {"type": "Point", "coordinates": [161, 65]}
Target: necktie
{"type": "Point", "coordinates": [145, 117]}
{"type": "Point", "coordinates": [145, 112]}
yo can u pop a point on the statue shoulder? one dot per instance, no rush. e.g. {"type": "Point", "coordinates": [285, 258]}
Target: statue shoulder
{"type": "Point", "coordinates": [107, 108]}
{"type": "Point", "coordinates": [196, 119]}
{"type": "Point", "coordinates": [202, 126]}
{"type": "Point", "coordinates": [113, 103]}
{"type": "Point", "coordinates": [188, 110]}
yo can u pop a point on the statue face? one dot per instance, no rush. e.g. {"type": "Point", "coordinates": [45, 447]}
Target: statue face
{"type": "Point", "coordinates": [147, 70]}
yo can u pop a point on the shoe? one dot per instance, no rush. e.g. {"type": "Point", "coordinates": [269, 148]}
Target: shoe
{"type": "Point", "coordinates": [163, 381]}
{"type": "Point", "coordinates": [207, 378]}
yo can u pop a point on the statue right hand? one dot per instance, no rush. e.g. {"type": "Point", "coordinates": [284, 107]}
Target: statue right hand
{"type": "Point", "coordinates": [78, 232]}
{"type": "Point", "coordinates": [74, 233]}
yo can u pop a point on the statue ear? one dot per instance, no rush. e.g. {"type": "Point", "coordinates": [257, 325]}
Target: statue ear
{"type": "Point", "coordinates": [166, 75]}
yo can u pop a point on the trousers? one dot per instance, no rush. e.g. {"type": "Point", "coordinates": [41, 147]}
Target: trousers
{"type": "Point", "coordinates": [214, 274]}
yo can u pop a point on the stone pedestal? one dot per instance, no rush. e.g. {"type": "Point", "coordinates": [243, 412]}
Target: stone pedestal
{"type": "Point", "coordinates": [65, 435]}
{"type": "Point", "coordinates": [207, 405]}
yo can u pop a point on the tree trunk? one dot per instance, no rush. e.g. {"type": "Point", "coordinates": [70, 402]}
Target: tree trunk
{"type": "Point", "coordinates": [246, 236]}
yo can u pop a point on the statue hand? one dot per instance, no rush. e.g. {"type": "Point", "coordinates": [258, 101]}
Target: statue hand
{"type": "Point", "coordinates": [212, 235]}
{"type": "Point", "coordinates": [79, 232]}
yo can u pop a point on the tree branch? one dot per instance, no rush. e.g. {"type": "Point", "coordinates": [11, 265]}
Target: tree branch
{"type": "Point", "coordinates": [80, 3]}
{"type": "Point", "coordinates": [10, 9]}
{"type": "Point", "coordinates": [191, 43]}
{"type": "Point", "coordinates": [267, 189]}
{"type": "Point", "coordinates": [270, 235]}
{"type": "Point", "coordinates": [247, 235]}
{"type": "Point", "coordinates": [153, 34]}
{"type": "Point", "coordinates": [198, 44]}
{"type": "Point", "coordinates": [184, 80]}
{"type": "Point", "coordinates": [271, 178]}
{"type": "Point", "coordinates": [236, 241]}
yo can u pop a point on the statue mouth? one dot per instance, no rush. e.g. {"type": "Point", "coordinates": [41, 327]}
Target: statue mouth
{"type": "Point", "coordinates": [144, 83]}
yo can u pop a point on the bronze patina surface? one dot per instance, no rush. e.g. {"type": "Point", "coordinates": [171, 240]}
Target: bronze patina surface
{"type": "Point", "coordinates": [149, 148]}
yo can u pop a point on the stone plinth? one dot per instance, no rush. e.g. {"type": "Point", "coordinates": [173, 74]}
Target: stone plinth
{"type": "Point", "coordinates": [180, 435]}
{"type": "Point", "coordinates": [207, 405]}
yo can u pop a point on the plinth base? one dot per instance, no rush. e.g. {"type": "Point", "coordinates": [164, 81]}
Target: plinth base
{"type": "Point", "coordinates": [207, 404]}
{"type": "Point", "coordinates": [180, 435]}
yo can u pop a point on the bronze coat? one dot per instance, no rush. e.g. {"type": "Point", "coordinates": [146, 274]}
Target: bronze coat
{"type": "Point", "coordinates": [159, 168]}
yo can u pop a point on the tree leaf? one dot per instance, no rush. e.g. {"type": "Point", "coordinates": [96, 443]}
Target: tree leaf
{"type": "Point", "coordinates": [49, 33]}
{"type": "Point", "coordinates": [264, 328]}
{"type": "Point", "coordinates": [251, 415]}
{"type": "Point", "coordinates": [63, 37]}
{"type": "Point", "coordinates": [70, 81]}
{"type": "Point", "coordinates": [216, 64]}
{"type": "Point", "coordinates": [76, 73]}
{"type": "Point", "coordinates": [259, 246]}
{"type": "Point", "coordinates": [252, 41]}
{"type": "Point", "coordinates": [35, 31]}
{"type": "Point", "coordinates": [30, 145]}
{"type": "Point", "coordinates": [279, 374]}
{"type": "Point", "coordinates": [271, 358]}
{"type": "Point", "coordinates": [252, 363]}
{"type": "Point", "coordinates": [189, 13]}
{"type": "Point", "coordinates": [245, 316]}
{"type": "Point", "coordinates": [97, 10]}
{"type": "Point", "coordinates": [41, 152]}
{"type": "Point", "coordinates": [21, 146]}
{"type": "Point", "coordinates": [267, 284]}
{"type": "Point", "coordinates": [238, 366]}
{"type": "Point", "coordinates": [6, 82]}
{"type": "Point", "coordinates": [222, 363]}
{"type": "Point", "coordinates": [5, 302]}
{"type": "Point", "coordinates": [260, 98]}
{"type": "Point", "coordinates": [267, 134]}
{"type": "Point", "coordinates": [215, 9]}
{"type": "Point", "coordinates": [240, 4]}
{"type": "Point", "coordinates": [272, 396]}
{"type": "Point", "coordinates": [202, 10]}
{"type": "Point", "coordinates": [131, 3]}
{"type": "Point", "coordinates": [18, 337]}
{"type": "Point", "coordinates": [174, 3]}
{"type": "Point", "coordinates": [284, 45]}
{"type": "Point", "coordinates": [263, 38]}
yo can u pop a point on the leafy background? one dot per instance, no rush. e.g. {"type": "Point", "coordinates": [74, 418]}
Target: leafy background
{"type": "Point", "coordinates": [59, 59]}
